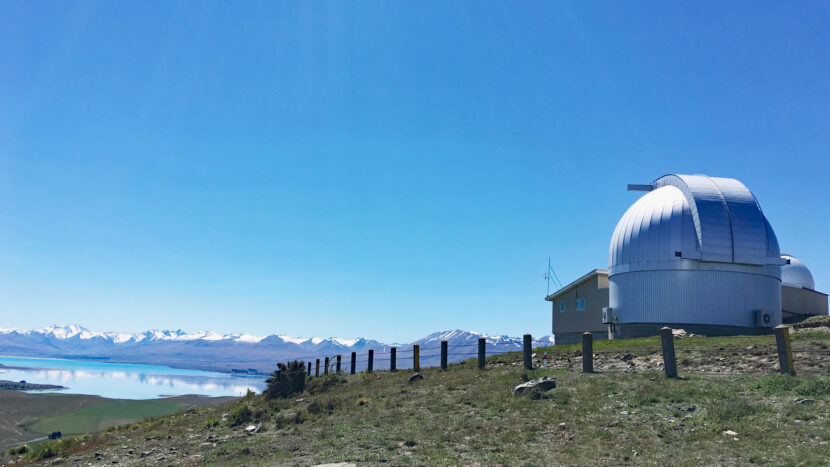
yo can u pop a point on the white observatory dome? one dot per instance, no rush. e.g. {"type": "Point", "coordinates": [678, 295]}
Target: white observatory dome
{"type": "Point", "coordinates": [796, 274]}
{"type": "Point", "coordinates": [694, 250]}
{"type": "Point", "coordinates": [653, 231]}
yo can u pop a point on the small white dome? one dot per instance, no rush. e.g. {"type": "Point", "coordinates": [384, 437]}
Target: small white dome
{"type": "Point", "coordinates": [796, 274]}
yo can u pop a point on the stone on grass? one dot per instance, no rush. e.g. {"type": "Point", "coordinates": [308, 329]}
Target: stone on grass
{"type": "Point", "coordinates": [416, 377]}
{"type": "Point", "coordinates": [729, 433]}
{"type": "Point", "coordinates": [680, 333]}
{"type": "Point", "coordinates": [537, 386]}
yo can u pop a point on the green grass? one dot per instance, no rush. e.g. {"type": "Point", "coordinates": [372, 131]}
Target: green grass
{"type": "Point", "coordinates": [104, 415]}
{"type": "Point", "coordinates": [805, 386]}
{"type": "Point", "coordinates": [648, 344]}
{"type": "Point", "coordinates": [465, 416]}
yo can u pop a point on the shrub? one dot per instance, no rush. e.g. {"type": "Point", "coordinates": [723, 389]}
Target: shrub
{"type": "Point", "coordinates": [813, 386]}
{"type": "Point", "coordinates": [19, 450]}
{"type": "Point", "coordinates": [730, 411]}
{"type": "Point", "coordinates": [212, 422]}
{"type": "Point", "coordinates": [287, 380]}
{"type": "Point", "coordinates": [327, 405]}
{"type": "Point", "coordinates": [45, 452]}
{"type": "Point", "coordinates": [53, 448]}
{"type": "Point", "coordinates": [290, 417]}
{"type": "Point", "coordinates": [801, 385]}
{"type": "Point", "coordinates": [239, 415]}
{"type": "Point", "coordinates": [315, 408]}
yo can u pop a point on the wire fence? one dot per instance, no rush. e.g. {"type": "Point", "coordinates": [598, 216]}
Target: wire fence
{"type": "Point", "coordinates": [410, 357]}
{"type": "Point", "coordinates": [416, 357]}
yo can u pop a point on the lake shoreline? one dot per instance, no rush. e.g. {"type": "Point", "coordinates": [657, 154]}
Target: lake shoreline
{"type": "Point", "coordinates": [200, 365]}
{"type": "Point", "coordinates": [6, 385]}
{"type": "Point", "coordinates": [119, 380]}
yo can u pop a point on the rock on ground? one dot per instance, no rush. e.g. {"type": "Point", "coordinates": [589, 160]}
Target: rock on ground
{"type": "Point", "coordinates": [542, 384]}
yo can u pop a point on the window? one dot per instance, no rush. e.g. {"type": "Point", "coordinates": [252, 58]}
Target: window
{"type": "Point", "coordinates": [562, 306]}
{"type": "Point", "coordinates": [580, 304]}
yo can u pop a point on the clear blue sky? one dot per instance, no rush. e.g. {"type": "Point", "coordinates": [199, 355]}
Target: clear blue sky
{"type": "Point", "coordinates": [380, 169]}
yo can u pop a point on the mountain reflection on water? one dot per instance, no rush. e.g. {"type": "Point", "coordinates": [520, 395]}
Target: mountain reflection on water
{"type": "Point", "coordinates": [124, 380]}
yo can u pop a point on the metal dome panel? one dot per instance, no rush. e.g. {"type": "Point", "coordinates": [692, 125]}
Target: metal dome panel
{"type": "Point", "coordinates": [796, 274]}
{"type": "Point", "coordinates": [729, 223]}
{"type": "Point", "coordinates": [748, 225]}
{"type": "Point", "coordinates": [709, 211]}
{"type": "Point", "coordinates": [652, 230]}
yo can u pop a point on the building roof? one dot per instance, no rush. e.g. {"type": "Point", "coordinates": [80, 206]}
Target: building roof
{"type": "Point", "coordinates": [589, 275]}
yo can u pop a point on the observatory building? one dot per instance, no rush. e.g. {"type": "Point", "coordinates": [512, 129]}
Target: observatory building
{"type": "Point", "coordinates": [799, 298]}
{"type": "Point", "coordinates": [695, 252]}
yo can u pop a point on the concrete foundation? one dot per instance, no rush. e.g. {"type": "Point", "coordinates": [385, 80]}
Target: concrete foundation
{"type": "Point", "coordinates": [632, 330]}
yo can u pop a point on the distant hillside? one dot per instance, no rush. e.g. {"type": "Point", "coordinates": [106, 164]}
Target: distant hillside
{"type": "Point", "coordinates": [222, 352]}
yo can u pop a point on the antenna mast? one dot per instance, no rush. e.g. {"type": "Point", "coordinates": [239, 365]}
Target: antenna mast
{"type": "Point", "coordinates": [550, 274]}
{"type": "Point", "coordinates": [547, 277]}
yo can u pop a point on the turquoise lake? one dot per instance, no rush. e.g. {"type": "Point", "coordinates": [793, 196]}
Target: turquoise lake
{"type": "Point", "coordinates": [125, 380]}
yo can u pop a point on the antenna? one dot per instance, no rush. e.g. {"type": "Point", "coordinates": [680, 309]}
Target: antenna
{"type": "Point", "coordinates": [549, 275]}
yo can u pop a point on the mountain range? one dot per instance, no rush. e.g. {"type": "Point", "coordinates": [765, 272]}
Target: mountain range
{"type": "Point", "coordinates": [225, 352]}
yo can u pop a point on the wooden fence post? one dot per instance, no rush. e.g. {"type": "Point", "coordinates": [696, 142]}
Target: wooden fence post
{"type": "Point", "coordinates": [587, 352]}
{"type": "Point", "coordinates": [785, 349]}
{"type": "Point", "coordinates": [338, 364]}
{"type": "Point", "coordinates": [527, 347]}
{"type": "Point", "coordinates": [416, 357]}
{"type": "Point", "coordinates": [392, 356]}
{"type": "Point", "coordinates": [309, 368]}
{"type": "Point", "coordinates": [481, 355]}
{"type": "Point", "coordinates": [326, 368]}
{"type": "Point", "coordinates": [371, 360]}
{"type": "Point", "coordinates": [317, 368]}
{"type": "Point", "coordinates": [669, 362]}
{"type": "Point", "coordinates": [354, 362]}
{"type": "Point", "coordinates": [443, 355]}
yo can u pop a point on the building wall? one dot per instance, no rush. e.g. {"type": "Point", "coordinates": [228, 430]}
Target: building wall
{"type": "Point", "coordinates": [797, 303]}
{"type": "Point", "coordinates": [726, 298]}
{"type": "Point", "coordinates": [569, 325]}
{"type": "Point", "coordinates": [685, 312]}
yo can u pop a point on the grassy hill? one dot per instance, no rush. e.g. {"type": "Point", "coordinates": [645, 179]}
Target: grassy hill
{"type": "Point", "coordinates": [27, 416]}
{"type": "Point", "coordinates": [729, 408]}
{"type": "Point", "coordinates": [104, 415]}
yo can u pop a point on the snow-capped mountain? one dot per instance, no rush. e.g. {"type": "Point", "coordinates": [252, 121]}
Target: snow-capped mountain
{"type": "Point", "coordinates": [459, 337]}
{"type": "Point", "coordinates": [215, 351]}
{"type": "Point", "coordinates": [74, 330]}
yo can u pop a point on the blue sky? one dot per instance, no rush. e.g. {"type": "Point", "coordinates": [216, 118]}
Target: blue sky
{"type": "Point", "coordinates": [379, 169]}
